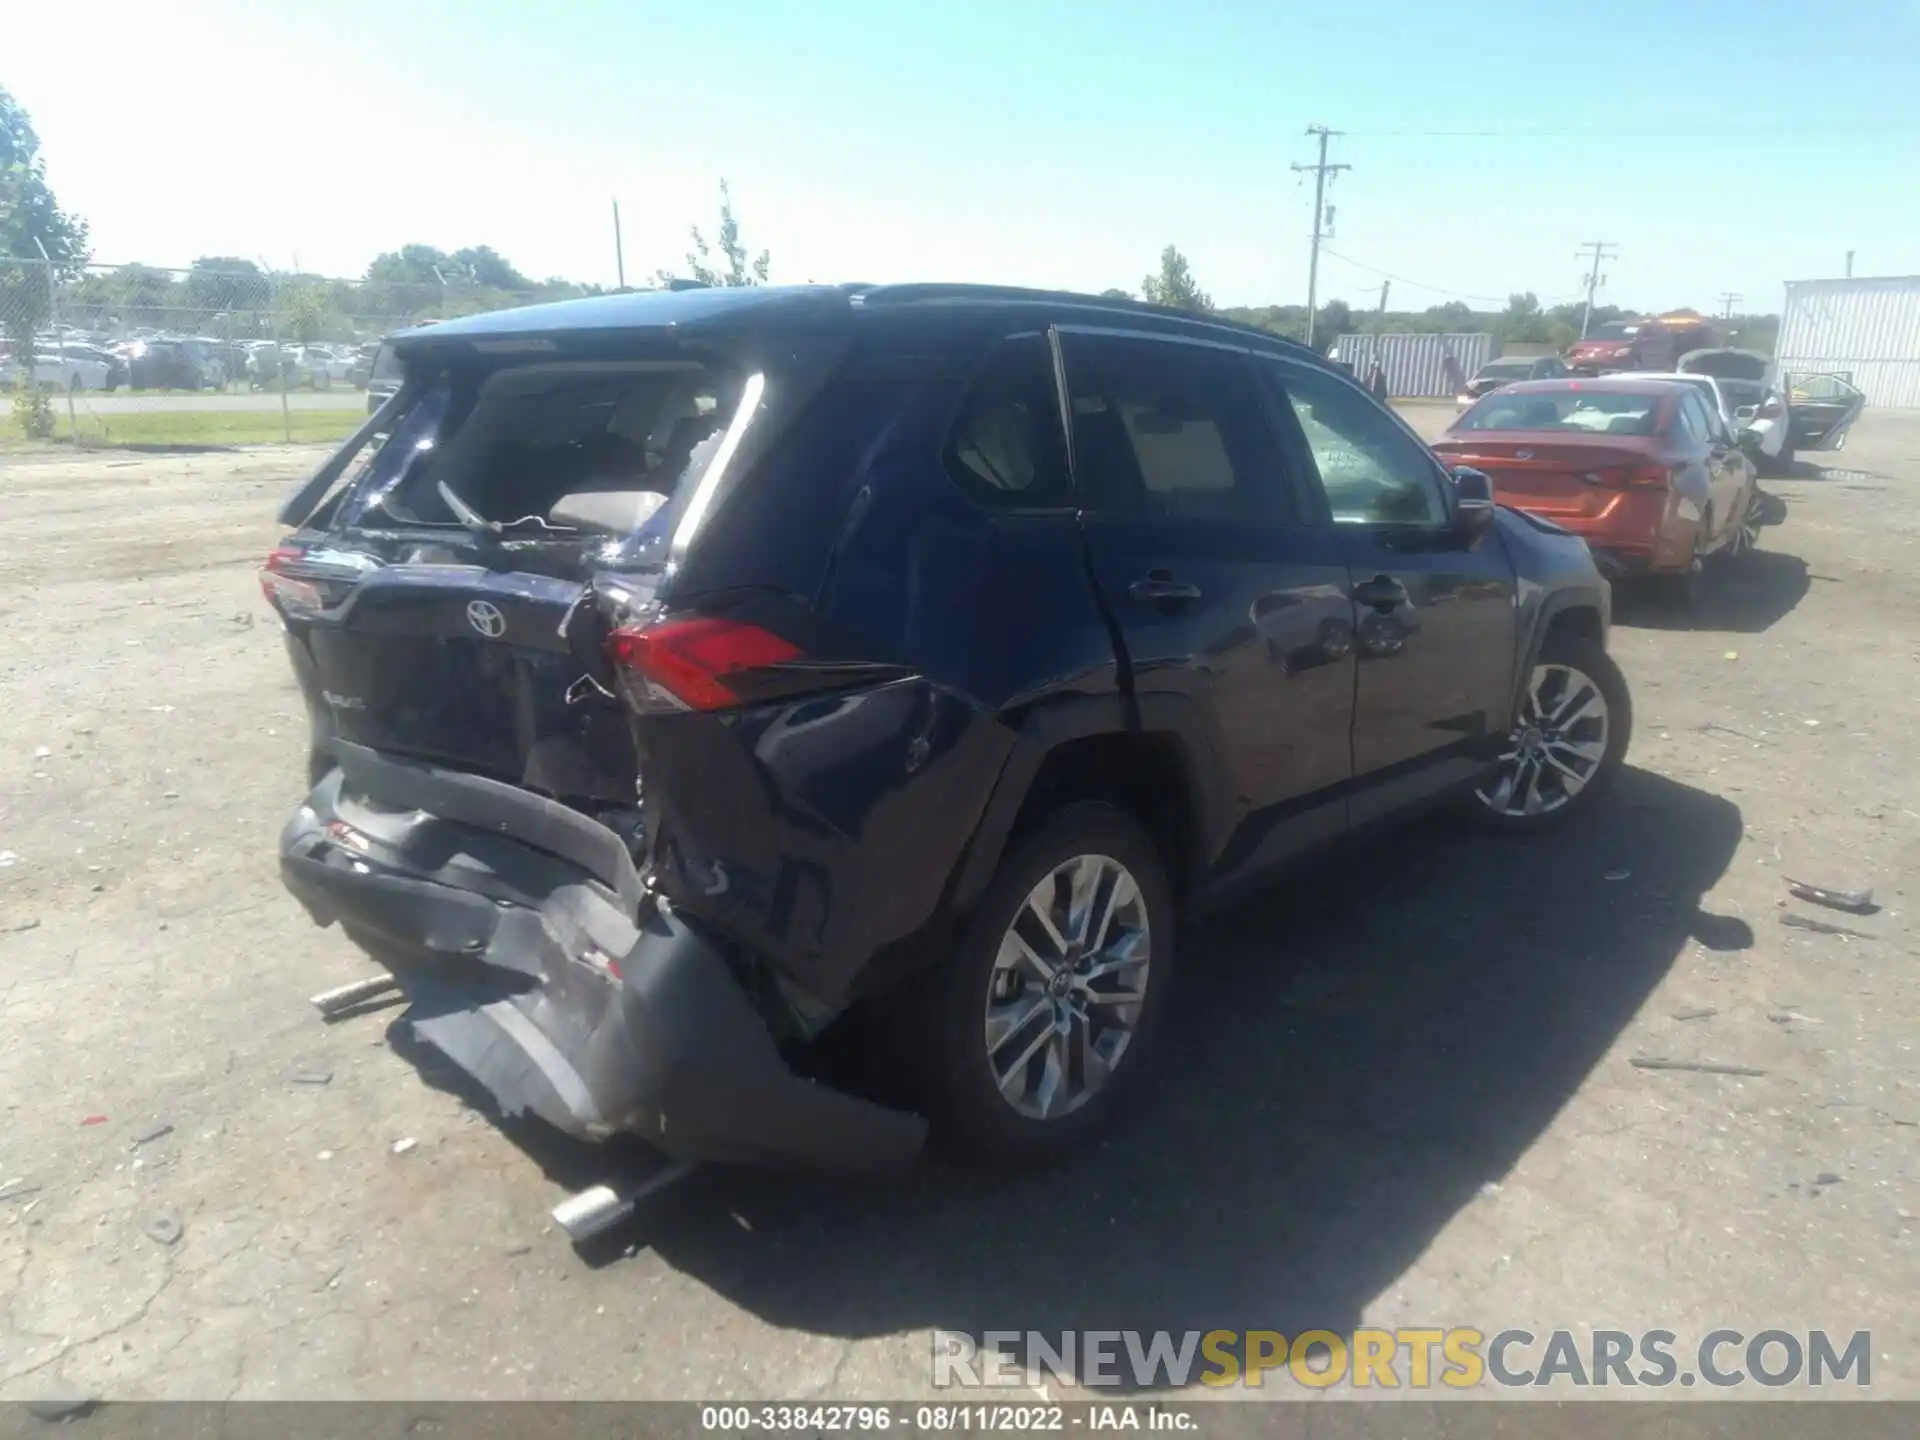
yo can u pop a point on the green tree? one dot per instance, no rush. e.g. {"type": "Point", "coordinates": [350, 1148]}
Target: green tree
{"type": "Point", "coordinates": [225, 282]}
{"type": "Point", "coordinates": [1334, 320]}
{"type": "Point", "coordinates": [1174, 284]}
{"type": "Point", "coordinates": [730, 266]}
{"type": "Point", "coordinates": [1115, 293]}
{"type": "Point", "coordinates": [484, 266]}
{"type": "Point", "coordinates": [33, 228]}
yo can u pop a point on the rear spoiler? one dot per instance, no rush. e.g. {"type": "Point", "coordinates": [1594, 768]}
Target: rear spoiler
{"type": "Point", "coordinates": [308, 498]}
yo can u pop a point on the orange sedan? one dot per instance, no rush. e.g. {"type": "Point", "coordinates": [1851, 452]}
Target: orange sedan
{"type": "Point", "coordinates": [1643, 470]}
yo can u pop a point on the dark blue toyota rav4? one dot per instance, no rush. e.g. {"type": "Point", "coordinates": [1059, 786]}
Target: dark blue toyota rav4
{"type": "Point", "coordinates": [690, 669]}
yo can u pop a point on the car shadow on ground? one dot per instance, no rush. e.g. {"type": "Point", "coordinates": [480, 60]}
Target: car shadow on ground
{"type": "Point", "coordinates": [1741, 597]}
{"type": "Point", "coordinates": [1350, 1058]}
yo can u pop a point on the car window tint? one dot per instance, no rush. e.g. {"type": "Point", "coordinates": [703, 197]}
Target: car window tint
{"type": "Point", "coordinates": [1171, 430]}
{"type": "Point", "coordinates": [1373, 472]}
{"type": "Point", "coordinates": [1007, 447]}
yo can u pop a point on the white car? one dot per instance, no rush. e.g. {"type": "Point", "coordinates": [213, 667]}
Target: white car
{"type": "Point", "coordinates": [1788, 413]}
{"type": "Point", "coordinates": [1742, 404]}
{"type": "Point", "coordinates": [53, 370]}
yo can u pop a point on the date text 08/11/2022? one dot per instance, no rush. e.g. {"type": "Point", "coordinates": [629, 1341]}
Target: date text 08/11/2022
{"type": "Point", "coordinates": [940, 1419]}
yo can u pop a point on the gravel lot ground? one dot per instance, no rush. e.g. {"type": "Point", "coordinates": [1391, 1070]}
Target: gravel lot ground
{"type": "Point", "coordinates": [1401, 1091]}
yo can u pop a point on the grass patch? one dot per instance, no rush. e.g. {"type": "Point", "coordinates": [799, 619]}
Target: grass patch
{"type": "Point", "coordinates": [189, 429]}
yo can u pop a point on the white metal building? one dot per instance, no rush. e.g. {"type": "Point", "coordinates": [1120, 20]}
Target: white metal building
{"type": "Point", "coordinates": [1867, 330]}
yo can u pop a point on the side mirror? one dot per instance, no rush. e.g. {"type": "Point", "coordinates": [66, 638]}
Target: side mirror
{"type": "Point", "coordinates": [1473, 503]}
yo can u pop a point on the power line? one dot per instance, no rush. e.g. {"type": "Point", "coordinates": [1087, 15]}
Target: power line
{"type": "Point", "coordinates": [1602, 250]}
{"type": "Point", "coordinates": [1320, 214]}
{"type": "Point", "coordinates": [1729, 299]}
{"type": "Point", "coordinates": [1434, 289]}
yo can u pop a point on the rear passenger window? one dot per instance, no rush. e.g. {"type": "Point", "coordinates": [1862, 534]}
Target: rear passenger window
{"type": "Point", "coordinates": [1007, 447]}
{"type": "Point", "coordinates": [1171, 430]}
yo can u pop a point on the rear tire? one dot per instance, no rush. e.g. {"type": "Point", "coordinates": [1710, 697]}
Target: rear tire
{"type": "Point", "coordinates": [1025, 1070]}
{"type": "Point", "coordinates": [1568, 741]}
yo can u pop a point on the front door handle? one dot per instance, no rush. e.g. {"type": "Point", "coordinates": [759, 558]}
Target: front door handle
{"type": "Point", "coordinates": [1383, 592]}
{"type": "Point", "coordinates": [1160, 588]}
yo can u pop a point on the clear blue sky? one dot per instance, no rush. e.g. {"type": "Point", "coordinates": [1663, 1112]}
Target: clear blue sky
{"type": "Point", "coordinates": [1721, 145]}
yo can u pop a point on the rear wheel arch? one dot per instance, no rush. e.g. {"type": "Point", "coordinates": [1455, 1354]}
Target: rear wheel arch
{"type": "Point", "coordinates": [1161, 772]}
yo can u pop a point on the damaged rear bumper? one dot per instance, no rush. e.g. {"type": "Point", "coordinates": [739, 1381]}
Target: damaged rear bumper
{"type": "Point", "coordinates": [533, 959]}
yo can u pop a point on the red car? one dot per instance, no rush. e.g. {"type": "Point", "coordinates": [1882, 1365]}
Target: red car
{"type": "Point", "coordinates": [1644, 470]}
{"type": "Point", "coordinates": [1655, 344]}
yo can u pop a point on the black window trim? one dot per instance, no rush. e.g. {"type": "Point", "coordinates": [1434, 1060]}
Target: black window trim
{"type": "Point", "coordinates": [997, 340]}
{"type": "Point", "coordinates": [1443, 480]}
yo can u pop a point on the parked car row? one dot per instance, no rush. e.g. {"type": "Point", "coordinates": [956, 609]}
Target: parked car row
{"type": "Point", "coordinates": [694, 674]}
{"type": "Point", "coordinates": [78, 361]}
{"type": "Point", "coordinates": [1784, 416]}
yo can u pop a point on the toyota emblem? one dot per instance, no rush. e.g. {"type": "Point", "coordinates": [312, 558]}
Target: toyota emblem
{"type": "Point", "coordinates": [485, 617]}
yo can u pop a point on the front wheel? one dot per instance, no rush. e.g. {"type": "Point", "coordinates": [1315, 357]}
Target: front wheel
{"type": "Point", "coordinates": [1567, 744]}
{"type": "Point", "coordinates": [1048, 1007]}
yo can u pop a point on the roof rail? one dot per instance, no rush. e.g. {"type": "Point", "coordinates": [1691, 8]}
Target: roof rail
{"type": "Point", "coordinates": [925, 292]}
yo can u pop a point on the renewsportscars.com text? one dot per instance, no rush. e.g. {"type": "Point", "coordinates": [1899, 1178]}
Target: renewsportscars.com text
{"type": "Point", "coordinates": [1408, 1358]}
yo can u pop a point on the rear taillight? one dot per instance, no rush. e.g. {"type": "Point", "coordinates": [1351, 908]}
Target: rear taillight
{"type": "Point", "coordinates": [700, 663]}
{"type": "Point", "coordinates": [287, 593]}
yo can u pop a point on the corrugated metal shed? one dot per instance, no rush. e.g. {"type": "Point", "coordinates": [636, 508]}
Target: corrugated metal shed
{"type": "Point", "coordinates": [1866, 329]}
{"type": "Point", "coordinates": [1416, 365]}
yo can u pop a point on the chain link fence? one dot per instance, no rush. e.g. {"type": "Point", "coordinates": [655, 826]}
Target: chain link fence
{"type": "Point", "coordinates": [78, 347]}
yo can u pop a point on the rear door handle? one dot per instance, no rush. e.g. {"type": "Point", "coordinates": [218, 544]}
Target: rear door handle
{"type": "Point", "coordinates": [1160, 588]}
{"type": "Point", "coordinates": [1383, 592]}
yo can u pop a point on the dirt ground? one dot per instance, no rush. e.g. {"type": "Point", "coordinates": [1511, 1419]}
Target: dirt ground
{"type": "Point", "coordinates": [1401, 1090]}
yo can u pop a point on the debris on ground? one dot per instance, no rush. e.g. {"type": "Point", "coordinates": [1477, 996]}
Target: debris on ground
{"type": "Point", "coordinates": [41, 753]}
{"type": "Point", "coordinates": [20, 927]}
{"type": "Point", "coordinates": [1860, 902]}
{"type": "Point", "coordinates": [1791, 1017]}
{"type": "Point", "coordinates": [1703, 1067]}
{"type": "Point", "coordinates": [401, 1147]}
{"type": "Point", "coordinates": [7, 857]}
{"type": "Point", "coordinates": [1704, 1012]}
{"type": "Point", "coordinates": [153, 1132]}
{"type": "Point", "coordinates": [164, 1226]}
{"type": "Point", "coordinates": [1821, 927]}
{"type": "Point", "coordinates": [310, 1075]}
{"type": "Point", "coordinates": [17, 1188]}
{"type": "Point", "coordinates": [1826, 1177]}
{"type": "Point", "coordinates": [94, 1120]}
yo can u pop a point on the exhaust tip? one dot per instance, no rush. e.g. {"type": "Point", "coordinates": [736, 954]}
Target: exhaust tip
{"type": "Point", "coordinates": [592, 1212]}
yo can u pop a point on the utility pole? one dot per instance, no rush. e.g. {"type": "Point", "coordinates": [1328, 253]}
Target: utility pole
{"type": "Point", "coordinates": [1849, 264]}
{"type": "Point", "coordinates": [619, 250]}
{"type": "Point", "coordinates": [1320, 173]}
{"type": "Point", "coordinates": [1728, 299]}
{"type": "Point", "coordinates": [1385, 285]}
{"type": "Point", "coordinates": [1601, 250]}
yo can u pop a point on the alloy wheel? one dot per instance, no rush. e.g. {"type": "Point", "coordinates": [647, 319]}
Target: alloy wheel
{"type": "Point", "coordinates": [1068, 981]}
{"type": "Point", "coordinates": [1557, 747]}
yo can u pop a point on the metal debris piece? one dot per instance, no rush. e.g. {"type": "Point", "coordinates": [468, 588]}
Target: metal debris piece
{"type": "Point", "coordinates": [153, 1132]}
{"type": "Point", "coordinates": [310, 1075]}
{"type": "Point", "coordinates": [1826, 1177]}
{"type": "Point", "coordinates": [164, 1226]}
{"type": "Point", "coordinates": [1821, 927]}
{"type": "Point", "coordinates": [401, 1147]}
{"type": "Point", "coordinates": [1704, 1012]}
{"type": "Point", "coordinates": [1860, 902]}
{"type": "Point", "coordinates": [1790, 1017]}
{"type": "Point", "coordinates": [332, 1002]}
{"type": "Point", "coordinates": [1703, 1067]}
